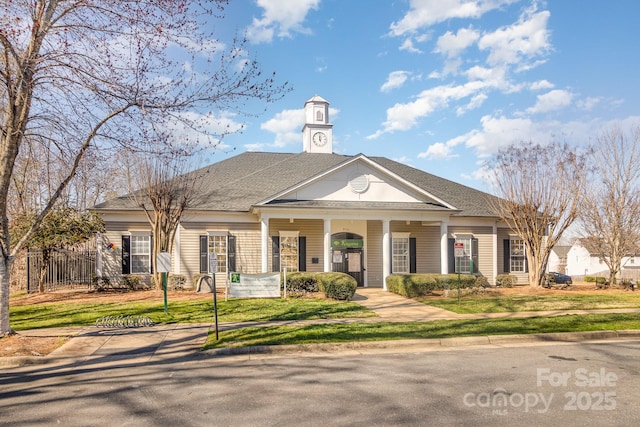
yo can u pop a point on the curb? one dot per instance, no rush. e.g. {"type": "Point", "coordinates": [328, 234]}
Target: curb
{"type": "Point", "coordinates": [427, 344]}
{"type": "Point", "coordinates": [424, 344]}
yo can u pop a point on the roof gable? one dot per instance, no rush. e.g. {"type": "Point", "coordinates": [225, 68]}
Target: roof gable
{"type": "Point", "coordinates": [252, 178]}
{"type": "Point", "coordinates": [358, 178]}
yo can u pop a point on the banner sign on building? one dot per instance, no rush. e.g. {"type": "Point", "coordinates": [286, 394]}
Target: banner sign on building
{"type": "Point", "coordinates": [265, 285]}
{"type": "Point", "coordinates": [347, 244]}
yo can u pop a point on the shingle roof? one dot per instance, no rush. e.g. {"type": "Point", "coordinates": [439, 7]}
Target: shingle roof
{"type": "Point", "coordinates": [238, 183]}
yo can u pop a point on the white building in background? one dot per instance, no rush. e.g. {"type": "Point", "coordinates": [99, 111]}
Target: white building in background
{"type": "Point", "coordinates": [580, 262]}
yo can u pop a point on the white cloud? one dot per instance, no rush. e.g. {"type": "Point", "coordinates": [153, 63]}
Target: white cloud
{"type": "Point", "coordinates": [437, 151]}
{"type": "Point", "coordinates": [589, 103]}
{"type": "Point", "coordinates": [195, 129]}
{"type": "Point", "coordinates": [408, 46]}
{"type": "Point", "coordinates": [424, 13]}
{"type": "Point", "coordinates": [287, 126]}
{"type": "Point", "coordinates": [541, 85]}
{"type": "Point", "coordinates": [476, 102]}
{"type": "Point", "coordinates": [402, 117]}
{"type": "Point", "coordinates": [254, 147]}
{"type": "Point", "coordinates": [551, 101]}
{"type": "Point", "coordinates": [280, 18]}
{"type": "Point", "coordinates": [528, 38]}
{"type": "Point", "coordinates": [451, 45]}
{"type": "Point", "coordinates": [395, 79]}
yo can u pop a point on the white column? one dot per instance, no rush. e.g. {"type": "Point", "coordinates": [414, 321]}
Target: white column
{"type": "Point", "coordinates": [492, 280]}
{"type": "Point", "coordinates": [444, 248]}
{"type": "Point", "coordinates": [386, 253]}
{"type": "Point", "coordinates": [101, 245]}
{"type": "Point", "coordinates": [327, 245]}
{"type": "Point", "coordinates": [264, 230]}
{"type": "Point", "coordinates": [177, 265]}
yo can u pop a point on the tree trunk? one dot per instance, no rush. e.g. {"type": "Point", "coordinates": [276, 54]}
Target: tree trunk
{"type": "Point", "coordinates": [43, 271]}
{"type": "Point", "coordinates": [5, 269]}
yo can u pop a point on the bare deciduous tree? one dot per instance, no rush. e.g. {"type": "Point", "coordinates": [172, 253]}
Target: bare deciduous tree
{"type": "Point", "coordinates": [539, 189]}
{"type": "Point", "coordinates": [611, 216]}
{"type": "Point", "coordinates": [163, 189]}
{"type": "Point", "coordinates": [107, 73]}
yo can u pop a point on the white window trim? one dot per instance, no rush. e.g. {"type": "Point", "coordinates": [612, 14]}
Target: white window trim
{"type": "Point", "coordinates": [468, 250]}
{"type": "Point", "coordinates": [513, 237]}
{"type": "Point", "coordinates": [289, 234]}
{"type": "Point", "coordinates": [136, 233]}
{"type": "Point", "coordinates": [225, 234]}
{"type": "Point", "coordinates": [402, 236]}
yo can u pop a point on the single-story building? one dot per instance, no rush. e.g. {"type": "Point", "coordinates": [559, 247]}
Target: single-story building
{"type": "Point", "coordinates": [320, 211]}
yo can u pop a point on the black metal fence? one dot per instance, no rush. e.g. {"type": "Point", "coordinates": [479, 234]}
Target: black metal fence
{"type": "Point", "coordinates": [65, 269]}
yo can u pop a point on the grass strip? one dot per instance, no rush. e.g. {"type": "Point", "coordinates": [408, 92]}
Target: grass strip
{"type": "Point", "coordinates": [55, 315]}
{"type": "Point", "coordinates": [346, 332]}
{"type": "Point", "coordinates": [517, 303]}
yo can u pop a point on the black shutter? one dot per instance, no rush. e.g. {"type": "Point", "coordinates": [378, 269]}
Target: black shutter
{"type": "Point", "coordinates": [126, 254]}
{"type": "Point", "coordinates": [526, 263]}
{"type": "Point", "coordinates": [204, 254]}
{"type": "Point", "coordinates": [231, 252]}
{"type": "Point", "coordinates": [275, 253]}
{"type": "Point", "coordinates": [507, 256]}
{"type": "Point", "coordinates": [412, 254]}
{"type": "Point", "coordinates": [474, 255]}
{"type": "Point", "coordinates": [302, 254]}
{"type": "Point", "coordinates": [451, 254]}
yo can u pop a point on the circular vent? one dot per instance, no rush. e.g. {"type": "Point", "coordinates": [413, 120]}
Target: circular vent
{"type": "Point", "coordinates": [359, 183]}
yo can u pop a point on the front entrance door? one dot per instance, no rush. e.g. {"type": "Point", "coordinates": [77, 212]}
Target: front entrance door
{"type": "Point", "coordinates": [347, 256]}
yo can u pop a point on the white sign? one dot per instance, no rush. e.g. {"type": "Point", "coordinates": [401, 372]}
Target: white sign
{"type": "Point", "coordinates": [265, 285]}
{"type": "Point", "coordinates": [163, 262]}
{"type": "Point", "coordinates": [213, 262]}
{"type": "Point", "coordinates": [458, 250]}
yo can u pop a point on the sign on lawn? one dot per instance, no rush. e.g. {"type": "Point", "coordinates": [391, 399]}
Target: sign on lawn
{"type": "Point", "coordinates": [163, 262]}
{"type": "Point", "coordinates": [265, 285]}
{"type": "Point", "coordinates": [458, 249]}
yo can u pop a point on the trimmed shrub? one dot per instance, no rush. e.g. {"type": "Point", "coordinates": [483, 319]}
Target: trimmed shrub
{"type": "Point", "coordinates": [300, 284]}
{"type": "Point", "coordinates": [132, 281]}
{"type": "Point", "coordinates": [506, 280]}
{"type": "Point", "coordinates": [176, 282]}
{"type": "Point", "coordinates": [339, 286]}
{"type": "Point", "coordinates": [101, 283]}
{"type": "Point", "coordinates": [482, 282]}
{"type": "Point", "coordinates": [416, 285]}
{"type": "Point", "coordinates": [595, 279]}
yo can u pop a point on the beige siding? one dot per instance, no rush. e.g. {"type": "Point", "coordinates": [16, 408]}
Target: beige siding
{"type": "Point", "coordinates": [312, 229]}
{"type": "Point", "coordinates": [485, 247]}
{"type": "Point", "coordinates": [247, 245]}
{"type": "Point", "coordinates": [112, 258]}
{"type": "Point", "coordinates": [427, 244]}
{"type": "Point", "coordinates": [503, 234]}
{"type": "Point", "coordinates": [374, 254]}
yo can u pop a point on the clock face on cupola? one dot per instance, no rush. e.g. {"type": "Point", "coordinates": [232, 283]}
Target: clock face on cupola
{"type": "Point", "coordinates": [317, 136]}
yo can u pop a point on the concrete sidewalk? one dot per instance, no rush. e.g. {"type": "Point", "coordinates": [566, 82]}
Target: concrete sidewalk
{"type": "Point", "coordinates": [182, 341]}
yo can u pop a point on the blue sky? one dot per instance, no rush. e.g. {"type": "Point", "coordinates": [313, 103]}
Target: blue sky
{"type": "Point", "coordinates": [441, 84]}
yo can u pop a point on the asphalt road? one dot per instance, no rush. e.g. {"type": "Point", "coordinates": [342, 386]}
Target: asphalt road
{"type": "Point", "coordinates": [544, 385]}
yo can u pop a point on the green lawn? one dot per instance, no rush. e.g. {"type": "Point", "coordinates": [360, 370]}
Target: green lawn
{"type": "Point", "coordinates": [516, 303]}
{"type": "Point", "coordinates": [55, 315]}
{"type": "Point", "coordinates": [348, 332]}
{"type": "Point", "coordinates": [60, 314]}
